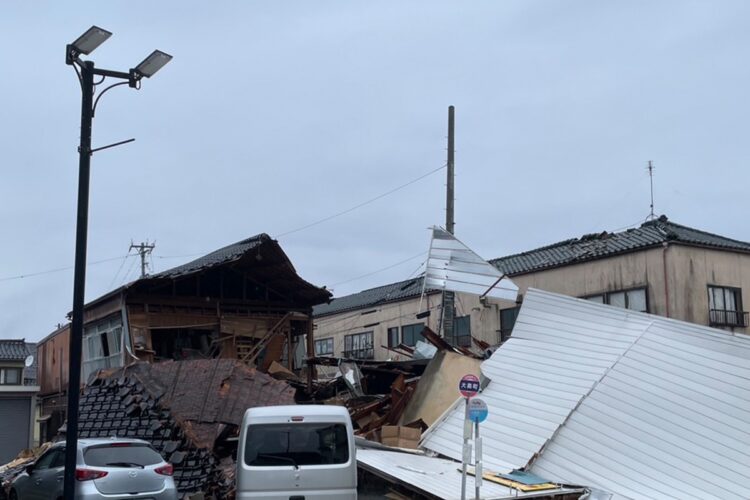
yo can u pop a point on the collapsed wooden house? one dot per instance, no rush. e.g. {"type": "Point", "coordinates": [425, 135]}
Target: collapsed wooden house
{"type": "Point", "coordinates": [244, 301]}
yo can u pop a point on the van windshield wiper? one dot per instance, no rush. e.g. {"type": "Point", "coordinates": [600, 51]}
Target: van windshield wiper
{"type": "Point", "coordinates": [279, 457]}
{"type": "Point", "coordinates": [124, 464]}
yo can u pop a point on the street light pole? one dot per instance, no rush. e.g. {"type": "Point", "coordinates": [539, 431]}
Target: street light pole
{"type": "Point", "coordinates": [79, 278]}
{"type": "Point", "coordinates": [85, 44]}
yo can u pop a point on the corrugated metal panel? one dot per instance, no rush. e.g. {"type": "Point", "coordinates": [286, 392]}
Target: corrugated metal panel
{"type": "Point", "coordinates": [435, 476]}
{"type": "Point", "coordinates": [655, 408]}
{"type": "Point", "coordinates": [668, 421]}
{"type": "Point", "coordinates": [451, 265]}
{"type": "Point", "coordinates": [540, 375]}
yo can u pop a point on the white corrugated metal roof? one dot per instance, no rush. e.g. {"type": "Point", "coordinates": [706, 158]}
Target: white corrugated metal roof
{"type": "Point", "coordinates": [451, 265]}
{"type": "Point", "coordinates": [436, 476]}
{"type": "Point", "coordinates": [655, 407]}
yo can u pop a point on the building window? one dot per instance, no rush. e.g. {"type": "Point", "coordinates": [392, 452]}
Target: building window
{"type": "Point", "coordinates": [324, 347]}
{"type": "Point", "coordinates": [507, 321]}
{"type": "Point", "coordinates": [410, 334]}
{"type": "Point", "coordinates": [393, 340]}
{"type": "Point", "coordinates": [10, 376]}
{"type": "Point", "coordinates": [102, 345]}
{"type": "Point", "coordinates": [634, 299]}
{"type": "Point", "coordinates": [725, 306]}
{"type": "Point", "coordinates": [359, 346]}
{"type": "Point", "coordinates": [462, 331]}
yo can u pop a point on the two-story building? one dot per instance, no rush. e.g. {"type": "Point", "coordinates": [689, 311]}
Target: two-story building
{"type": "Point", "coordinates": [660, 267]}
{"type": "Point", "coordinates": [244, 301]}
{"type": "Point", "coordinates": [17, 399]}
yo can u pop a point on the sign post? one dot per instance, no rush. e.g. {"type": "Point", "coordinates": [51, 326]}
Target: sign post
{"type": "Point", "coordinates": [477, 413]}
{"type": "Point", "coordinates": [468, 386]}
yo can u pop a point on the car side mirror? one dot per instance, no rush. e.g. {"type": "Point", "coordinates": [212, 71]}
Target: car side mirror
{"type": "Point", "coordinates": [29, 468]}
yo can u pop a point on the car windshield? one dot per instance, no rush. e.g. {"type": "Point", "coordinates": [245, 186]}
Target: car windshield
{"type": "Point", "coordinates": [296, 444]}
{"type": "Point", "coordinates": [121, 455]}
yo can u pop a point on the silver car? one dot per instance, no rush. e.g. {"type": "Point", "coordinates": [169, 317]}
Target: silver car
{"type": "Point", "coordinates": [108, 469]}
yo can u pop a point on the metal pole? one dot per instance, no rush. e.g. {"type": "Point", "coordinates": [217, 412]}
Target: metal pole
{"type": "Point", "coordinates": [477, 461]}
{"type": "Point", "coordinates": [466, 451]}
{"type": "Point", "coordinates": [79, 280]}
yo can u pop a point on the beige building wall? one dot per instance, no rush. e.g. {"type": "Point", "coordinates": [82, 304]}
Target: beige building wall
{"type": "Point", "coordinates": [694, 269]}
{"type": "Point", "coordinates": [622, 272]}
{"type": "Point", "coordinates": [676, 277]}
{"type": "Point", "coordinates": [485, 321]}
{"type": "Point", "coordinates": [689, 271]}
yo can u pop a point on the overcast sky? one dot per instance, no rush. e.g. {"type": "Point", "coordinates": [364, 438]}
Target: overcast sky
{"type": "Point", "coordinates": [274, 115]}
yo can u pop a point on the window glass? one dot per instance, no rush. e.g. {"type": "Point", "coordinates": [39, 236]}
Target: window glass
{"type": "Point", "coordinates": [296, 444]}
{"type": "Point", "coordinates": [324, 347]}
{"type": "Point", "coordinates": [12, 376]}
{"type": "Point", "coordinates": [507, 321]}
{"type": "Point", "coordinates": [393, 337]}
{"type": "Point", "coordinates": [47, 459]}
{"type": "Point", "coordinates": [637, 300]}
{"type": "Point", "coordinates": [617, 299]}
{"type": "Point", "coordinates": [412, 333]}
{"type": "Point", "coordinates": [596, 298]}
{"type": "Point", "coordinates": [59, 460]}
{"type": "Point", "coordinates": [121, 453]}
{"type": "Point", "coordinates": [462, 330]}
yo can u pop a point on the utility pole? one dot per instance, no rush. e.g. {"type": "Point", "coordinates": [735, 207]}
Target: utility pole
{"type": "Point", "coordinates": [143, 250]}
{"type": "Point", "coordinates": [449, 298]}
{"type": "Point", "coordinates": [449, 221]}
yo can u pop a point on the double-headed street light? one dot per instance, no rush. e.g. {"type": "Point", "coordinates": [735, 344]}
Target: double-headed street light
{"type": "Point", "coordinates": [84, 45]}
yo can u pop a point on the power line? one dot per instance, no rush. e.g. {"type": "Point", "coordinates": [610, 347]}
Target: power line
{"type": "Point", "coordinates": [360, 205]}
{"type": "Point", "coordinates": [118, 270]}
{"type": "Point", "coordinates": [379, 270]}
{"type": "Point", "coordinates": [59, 269]}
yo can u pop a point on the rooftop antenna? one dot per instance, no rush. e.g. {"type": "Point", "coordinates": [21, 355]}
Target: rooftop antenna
{"type": "Point", "coordinates": [651, 216]}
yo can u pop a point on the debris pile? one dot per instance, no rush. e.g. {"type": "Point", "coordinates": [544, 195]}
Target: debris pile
{"type": "Point", "coordinates": [408, 394]}
{"type": "Point", "coordinates": [186, 409]}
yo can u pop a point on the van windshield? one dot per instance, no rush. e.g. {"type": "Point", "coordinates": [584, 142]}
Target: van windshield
{"type": "Point", "coordinates": [296, 444]}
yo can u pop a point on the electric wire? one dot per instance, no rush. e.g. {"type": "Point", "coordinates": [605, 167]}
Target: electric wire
{"type": "Point", "coordinates": [360, 205]}
{"type": "Point", "coordinates": [114, 279]}
{"type": "Point", "coordinates": [57, 270]}
{"type": "Point", "coordinates": [378, 270]}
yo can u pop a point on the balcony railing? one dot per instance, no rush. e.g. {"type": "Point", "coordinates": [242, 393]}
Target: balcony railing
{"type": "Point", "coordinates": [724, 317]}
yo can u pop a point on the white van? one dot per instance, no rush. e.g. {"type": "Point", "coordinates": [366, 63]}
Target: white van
{"type": "Point", "coordinates": [303, 452]}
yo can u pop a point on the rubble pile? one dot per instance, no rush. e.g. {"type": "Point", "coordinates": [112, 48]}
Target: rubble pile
{"type": "Point", "coordinates": [122, 407]}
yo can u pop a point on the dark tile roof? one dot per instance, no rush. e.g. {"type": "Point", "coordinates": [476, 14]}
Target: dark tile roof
{"type": "Point", "coordinates": [261, 255]}
{"type": "Point", "coordinates": [587, 247]}
{"type": "Point", "coordinates": [372, 297]}
{"type": "Point", "coordinates": [599, 245]}
{"type": "Point", "coordinates": [227, 254]}
{"type": "Point", "coordinates": [13, 350]}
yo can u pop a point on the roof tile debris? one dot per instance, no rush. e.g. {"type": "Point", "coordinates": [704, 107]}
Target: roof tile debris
{"type": "Point", "coordinates": [13, 350]}
{"type": "Point", "coordinates": [184, 408]}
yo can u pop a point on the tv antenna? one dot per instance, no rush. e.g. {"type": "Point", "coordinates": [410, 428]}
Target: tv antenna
{"type": "Point", "coordinates": [651, 167]}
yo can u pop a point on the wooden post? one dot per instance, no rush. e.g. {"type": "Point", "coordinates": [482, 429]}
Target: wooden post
{"type": "Point", "coordinates": [310, 355]}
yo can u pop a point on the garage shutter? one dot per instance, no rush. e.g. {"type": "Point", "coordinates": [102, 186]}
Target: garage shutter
{"type": "Point", "coordinates": [14, 430]}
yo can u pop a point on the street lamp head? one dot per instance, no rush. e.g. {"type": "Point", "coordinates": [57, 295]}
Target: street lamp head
{"type": "Point", "coordinates": [152, 64]}
{"type": "Point", "coordinates": [86, 43]}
